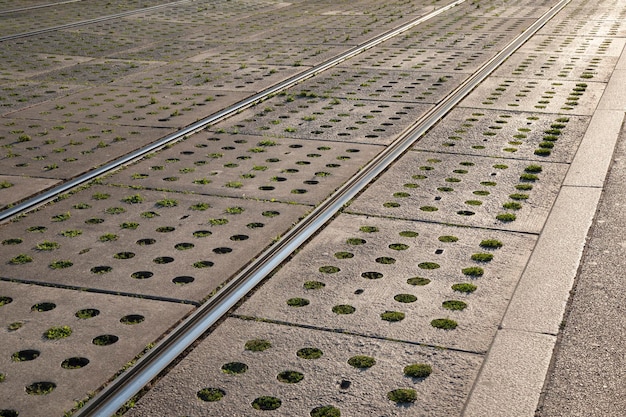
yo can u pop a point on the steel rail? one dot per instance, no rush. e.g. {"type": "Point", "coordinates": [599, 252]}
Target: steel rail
{"type": "Point", "coordinates": [90, 21]}
{"type": "Point", "coordinates": [38, 6]}
{"type": "Point", "coordinates": [50, 194]}
{"type": "Point", "coordinates": [155, 361]}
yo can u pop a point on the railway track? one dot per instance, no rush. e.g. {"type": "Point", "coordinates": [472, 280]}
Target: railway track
{"type": "Point", "coordinates": [225, 294]}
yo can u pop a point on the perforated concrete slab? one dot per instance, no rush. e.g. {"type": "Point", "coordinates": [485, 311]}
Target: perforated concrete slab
{"type": "Point", "coordinates": [105, 332]}
{"type": "Point", "coordinates": [327, 381]}
{"type": "Point", "coordinates": [436, 38]}
{"type": "Point", "coordinates": [41, 148]}
{"type": "Point", "coordinates": [236, 165]}
{"type": "Point", "coordinates": [208, 75]}
{"type": "Point", "coordinates": [544, 96]}
{"type": "Point", "coordinates": [404, 86]}
{"type": "Point", "coordinates": [503, 134]}
{"type": "Point", "coordinates": [95, 72]}
{"type": "Point", "coordinates": [392, 278]}
{"type": "Point", "coordinates": [574, 45]}
{"type": "Point", "coordinates": [18, 65]}
{"type": "Point", "coordinates": [160, 107]}
{"type": "Point", "coordinates": [429, 60]}
{"type": "Point", "coordinates": [72, 43]}
{"type": "Point", "coordinates": [15, 188]}
{"type": "Point", "coordinates": [465, 190]}
{"type": "Point", "coordinates": [306, 114]}
{"type": "Point", "coordinates": [154, 243]}
{"type": "Point", "coordinates": [558, 66]}
{"type": "Point", "coordinates": [255, 53]}
{"type": "Point", "coordinates": [15, 96]}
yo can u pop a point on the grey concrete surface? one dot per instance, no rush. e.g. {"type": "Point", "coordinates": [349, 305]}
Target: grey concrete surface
{"type": "Point", "coordinates": [589, 367]}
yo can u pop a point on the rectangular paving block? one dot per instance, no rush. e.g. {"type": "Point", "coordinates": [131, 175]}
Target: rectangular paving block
{"type": "Point", "coordinates": [398, 279]}
{"type": "Point", "coordinates": [15, 188]}
{"type": "Point", "coordinates": [152, 243]}
{"type": "Point", "coordinates": [304, 370]}
{"type": "Point", "coordinates": [473, 191]}
{"type": "Point", "coordinates": [103, 334]}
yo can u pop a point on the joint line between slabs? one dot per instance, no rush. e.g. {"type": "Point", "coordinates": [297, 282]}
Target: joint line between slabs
{"type": "Point", "coordinates": [339, 331]}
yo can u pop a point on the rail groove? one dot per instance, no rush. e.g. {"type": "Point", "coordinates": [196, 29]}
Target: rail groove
{"type": "Point", "coordinates": [155, 361]}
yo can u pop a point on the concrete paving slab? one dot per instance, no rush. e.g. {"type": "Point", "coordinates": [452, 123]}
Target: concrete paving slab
{"type": "Point", "coordinates": [208, 75]}
{"type": "Point", "coordinates": [310, 114]}
{"type": "Point", "coordinates": [543, 291]}
{"type": "Point", "coordinates": [508, 135]}
{"type": "Point", "coordinates": [19, 65]}
{"type": "Point", "coordinates": [63, 150]}
{"type": "Point", "coordinates": [544, 96]}
{"type": "Point", "coordinates": [28, 356]}
{"type": "Point", "coordinates": [15, 96]}
{"type": "Point", "coordinates": [511, 379]}
{"type": "Point", "coordinates": [412, 87]}
{"type": "Point", "coordinates": [614, 97]}
{"type": "Point", "coordinates": [159, 107]}
{"type": "Point", "coordinates": [465, 190]}
{"type": "Point", "coordinates": [16, 188]}
{"type": "Point", "coordinates": [574, 46]}
{"type": "Point", "coordinates": [361, 267]}
{"type": "Point", "coordinates": [237, 165]}
{"type": "Point", "coordinates": [94, 72]}
{"type": "Point", "coordinates": [328, 380]}
{"type": "Point", "coordinates": [255, 53]}
{"type": "Point", "coordinates": [558, 66]}
{"type": "Point", "coordinates": [429, 60]}
{"type": "Point", "coordinates": [154, 243]}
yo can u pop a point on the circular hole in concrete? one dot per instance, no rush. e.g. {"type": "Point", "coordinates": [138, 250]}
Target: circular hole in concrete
{"type": "Point", "coordinates": [142, 274]}
{"type": "Point", "coordinates": [222, 250]}
{"type": "Point", "coordinates": [405, 298]}
{"type": "Point", "coordinates": [266, 403]}
{"type": "Point", "coordinates": [211, 394]}
{"type": "Point", "coordinates": [309, 353]}
{"type": "Point", "coordinates": [40, 388]}
{"type": "Point", "coordinates": [124, 255]}
{"type": "Point", "coordinates": [43, 307]}
{"type": "Point", "coordinates": [102, 269]}
{"type": "Point", "coordinates": [25, 355]}
{"type": "Point", "coordinates": [290, 377]}
{"type": "Point", "coordinates": [182, 280]}
{"type": "Point", "coordinates": [372, 275]}
{"type": "Point", "coordinates": [146, 242]}
{"type": "Point", "coordinates": [87, 313]}
{"type": "Point", "coordinates": [165, 229]}
{"type": "Point", "coordinates": [184, 246]}
{"type": "Point", "coordinates": [234, 368]}
{"type": "Point", "coordinates": [239, 237]}
{"type": "Point", "coordinates": [132, 319]}
{"type": "Point", "coordinates": [161, 260]}
{"type": "Point", "coordinates": [105, 340]}
{"type": "Point", "coordinates": [74, 363]}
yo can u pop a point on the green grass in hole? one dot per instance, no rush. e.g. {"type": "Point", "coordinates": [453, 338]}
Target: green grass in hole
{"type": "Point", "coordinates": [343, 309]}
{"type": "Point", "coordinates": [290, 377]}
{"type": "Point", "coordinates": [454, 305]}
{"type": "Point", "coordinates": [266, 403]}
{"type": "Point", "coordinates": [309, 353]}
{"type": "Point", "coordinates": [257, 345]}
{"type": "Point", "coordinates": [55, 333]}
{"type": "Point", "coordinates": [506, 217]}
{"type": "Point", "coordinates": [418, 281]}
{"type": "Point", "coordinates": [362, 361]}
{"type": "Point", "coordinates": [445, 324]}
{"type": "Point", "coordinates": [211, 394]}
{"type": "Point", "coordinates": [464, 287]}
{"type": "Point", "coordinates": [402, 395]}
{"type": "Point", "coordinates": [392, 316]}
{"type": "Point", "coordinates": [473, 271]}
{"type": "Point", "coordinates": [313, 285]}
{"type": "Point", "coordinates": [428, 265]}
{"type": "Point", "coordinates": [482, 257]}
{"type": "Point", "coordinates": [418, 370]}
{"type": "Point", "coordinates": [368, 229]}
{"type": "Point", "coordinates": [298, 302]}
{"type": "Point", "coordinates": [234, 368]}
